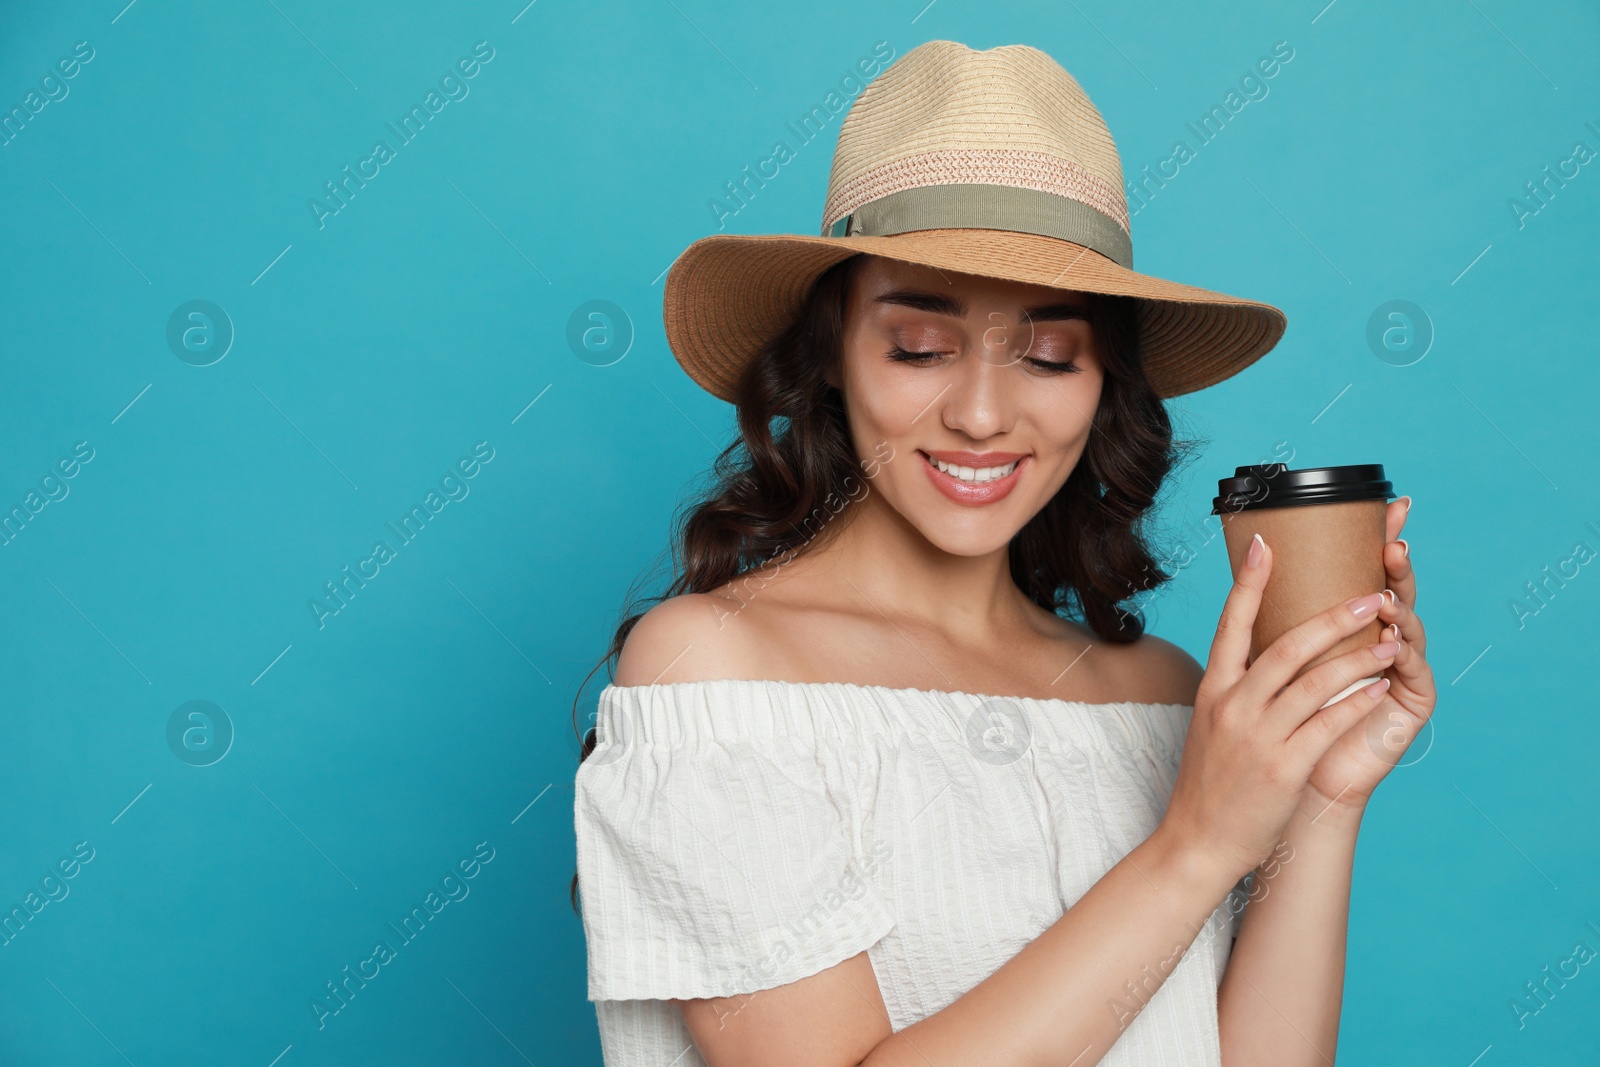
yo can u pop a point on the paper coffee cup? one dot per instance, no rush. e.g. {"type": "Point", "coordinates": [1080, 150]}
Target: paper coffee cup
{"type": "Point", "coordinates": [1325, 526]}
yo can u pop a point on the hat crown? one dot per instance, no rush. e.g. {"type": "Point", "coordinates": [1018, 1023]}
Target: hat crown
{"type": "Point", "coordinates": [945, 114]}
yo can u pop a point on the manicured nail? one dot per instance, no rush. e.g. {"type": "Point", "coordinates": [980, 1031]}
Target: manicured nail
{"type": "Point", "coordinates": [1385, 649]}
{"type": "Point", "coordinates": [1362, 606]}
{"type": "Point", "coordinates": [1393, 630]}
{"type": "Point", "coordinates": [1376, 688]}
{"type": "Point", "coordinates": [1253, 556]}
{"type": "Point", "coordinates": [1393, 598]}
{"type": "Point", "coordinates": [1405, 545]}
{"type": "Point", "coordinates": [1408, 504]}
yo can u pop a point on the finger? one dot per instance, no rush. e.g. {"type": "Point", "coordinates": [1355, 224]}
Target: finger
{"type": "Point", "coordinates": [1400, 575]}
{"type": "Point", "coordinates": [1302, 698]}
{"type": "Point", "coordinates": [1395, 611]}
{"type": "Point", "coordinates": [1392, 727]}
{"type": "Point", "coordinates": [1394, 517]}
{"type": "Point", "coordinates": [1410, 667]}
{"type": "Point", "coordinates": [1314, 737]}
{"type": "Point", "coordinates": [1230, 648]}
{"type": "Point", "coordinates": [1286, 657]}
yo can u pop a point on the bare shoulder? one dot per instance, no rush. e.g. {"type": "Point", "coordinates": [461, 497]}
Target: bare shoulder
{"type": "Point", "coordinates": [1149, 670]}
{"type": "Point", "coordinates": [1162, 672]}
{"type": "Point", "coordinates": [686, 638]}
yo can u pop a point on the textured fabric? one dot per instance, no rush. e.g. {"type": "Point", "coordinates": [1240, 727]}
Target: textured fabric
{"type": "Point", "coordinates": [736, 835]}
{"type": "Point", "coordinates": [1000, 207]}
{"type": "Point", "coordinates": [1008, 167]}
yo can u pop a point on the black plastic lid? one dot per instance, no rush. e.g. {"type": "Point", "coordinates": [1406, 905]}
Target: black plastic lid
{"type": "Point", "coordinates": [1274, 485]}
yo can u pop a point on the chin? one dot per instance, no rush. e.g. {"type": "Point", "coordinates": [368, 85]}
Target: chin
{"type": "Point", "coordinates": [965, 535]}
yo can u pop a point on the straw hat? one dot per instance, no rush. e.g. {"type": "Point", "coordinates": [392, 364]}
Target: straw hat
{"type": "Point", "coordinates": [989, 162]}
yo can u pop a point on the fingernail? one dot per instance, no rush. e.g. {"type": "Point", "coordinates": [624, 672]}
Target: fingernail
{"type": "Point", "coordinates": [1377, 688]}
{"type": "Point", "coordinates": [1405, 545]}
{"type": "Point", "coordinates": [1408, 505]}
{"type": "Point", "coordinates": [1393, 598]}
{"type": "Point", "coordinates": [1253, 556]}
{"type": "Point", "coordinates": [1362, 606]}
{"type": "Point", "coordinates": [1385, 649]}
{"type": "Point", "coordinates": [1393, 630]}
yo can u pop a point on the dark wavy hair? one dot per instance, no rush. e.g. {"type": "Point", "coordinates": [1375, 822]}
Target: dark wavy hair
{"type": "Point", "coordinates": [1083, 554]}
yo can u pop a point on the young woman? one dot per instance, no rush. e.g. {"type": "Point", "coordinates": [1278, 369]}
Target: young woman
{"type": "Point", "coordinates": [861, 792]}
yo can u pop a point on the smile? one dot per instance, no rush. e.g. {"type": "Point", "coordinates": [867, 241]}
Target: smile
{"type": "Point", "coordinates": [973, 485]}
{"type": "Point", "coordinates": [975, 476]}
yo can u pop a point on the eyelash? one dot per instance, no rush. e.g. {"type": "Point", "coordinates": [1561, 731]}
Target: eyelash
{"type": "Point", "coordinates": [901, 355]}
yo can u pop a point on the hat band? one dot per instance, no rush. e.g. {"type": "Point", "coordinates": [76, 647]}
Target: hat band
{"type": "Point", "coordinates": [988, 207]}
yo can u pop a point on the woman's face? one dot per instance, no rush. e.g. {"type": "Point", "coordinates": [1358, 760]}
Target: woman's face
{"type": "Point", "coordinates": [1003, 381]}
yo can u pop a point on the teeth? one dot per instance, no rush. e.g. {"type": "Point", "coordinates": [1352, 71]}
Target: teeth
{"type": "Point", "coordinates": [978, 475]}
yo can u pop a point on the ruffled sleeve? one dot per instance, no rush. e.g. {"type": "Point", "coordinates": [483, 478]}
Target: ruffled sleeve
{"type": "Point", "coordinates": [712, 857]}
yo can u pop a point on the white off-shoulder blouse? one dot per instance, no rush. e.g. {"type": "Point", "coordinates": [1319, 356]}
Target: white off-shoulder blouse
{"type": "Point", "coordinates": [736, 835]}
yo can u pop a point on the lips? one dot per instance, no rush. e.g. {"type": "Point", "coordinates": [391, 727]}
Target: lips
{"type": "Point", "coordinates": [974, 494]}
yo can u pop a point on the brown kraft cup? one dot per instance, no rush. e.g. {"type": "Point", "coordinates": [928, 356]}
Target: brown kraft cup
{"type": "Point", "coordinates": [1325, 526]}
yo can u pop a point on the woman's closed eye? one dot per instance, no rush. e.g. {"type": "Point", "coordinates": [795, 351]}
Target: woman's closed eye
{"type": "Point", "coordinates": [923, 359]}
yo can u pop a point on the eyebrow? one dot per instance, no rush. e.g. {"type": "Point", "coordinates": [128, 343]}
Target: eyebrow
{"type": "Point", "coordinates": [941, 304]}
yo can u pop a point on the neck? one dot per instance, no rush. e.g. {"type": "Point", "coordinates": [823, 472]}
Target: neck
{"type": "Point", "coordinates": [879, 560]}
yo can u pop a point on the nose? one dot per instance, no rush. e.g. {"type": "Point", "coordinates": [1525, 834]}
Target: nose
{"type": "Point", "coordinates": [978, 403]}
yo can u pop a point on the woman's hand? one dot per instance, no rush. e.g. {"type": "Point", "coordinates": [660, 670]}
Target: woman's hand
{"type": "Point", "coordinates": [1258, 729]}
{"type": "Point", "coordinates": [1369, 750]}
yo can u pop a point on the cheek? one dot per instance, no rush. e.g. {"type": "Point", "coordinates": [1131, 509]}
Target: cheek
{"type": "Point", "coordinates": [884, 400]}
{"type": "Point", "coordinates": [1069, 424]}
{"type": "Point", "coordinates": [1062, 426]}
{"type": "Point", "coordinates": [890, 408]}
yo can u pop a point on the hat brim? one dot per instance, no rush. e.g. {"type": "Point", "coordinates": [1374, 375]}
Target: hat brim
{"type": "Point", "coordinates": [729, 294]}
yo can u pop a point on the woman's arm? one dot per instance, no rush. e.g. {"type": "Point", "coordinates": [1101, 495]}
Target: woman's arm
{"type": "Point", "coordinates": [1064, 998]}
{"type": "Point", "coordinates": [1279, 1000]}
{"type": "Point", "coordinates": [1280, 997]}
{"type": "Point", "coordinates": [1072, 991]}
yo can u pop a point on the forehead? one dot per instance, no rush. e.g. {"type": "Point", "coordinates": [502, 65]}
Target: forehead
{"type": "Point", "coordinates": [879, 275]}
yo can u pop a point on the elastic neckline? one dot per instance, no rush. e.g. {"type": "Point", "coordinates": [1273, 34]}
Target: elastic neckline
{"type": "Point", "coordinates": [902, 691]}
{"type": "Point", "coordinates": [766, 711]}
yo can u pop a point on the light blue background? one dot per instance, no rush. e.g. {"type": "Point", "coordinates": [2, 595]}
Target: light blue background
{"type": "Point", "coordinates": [434, 712]}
